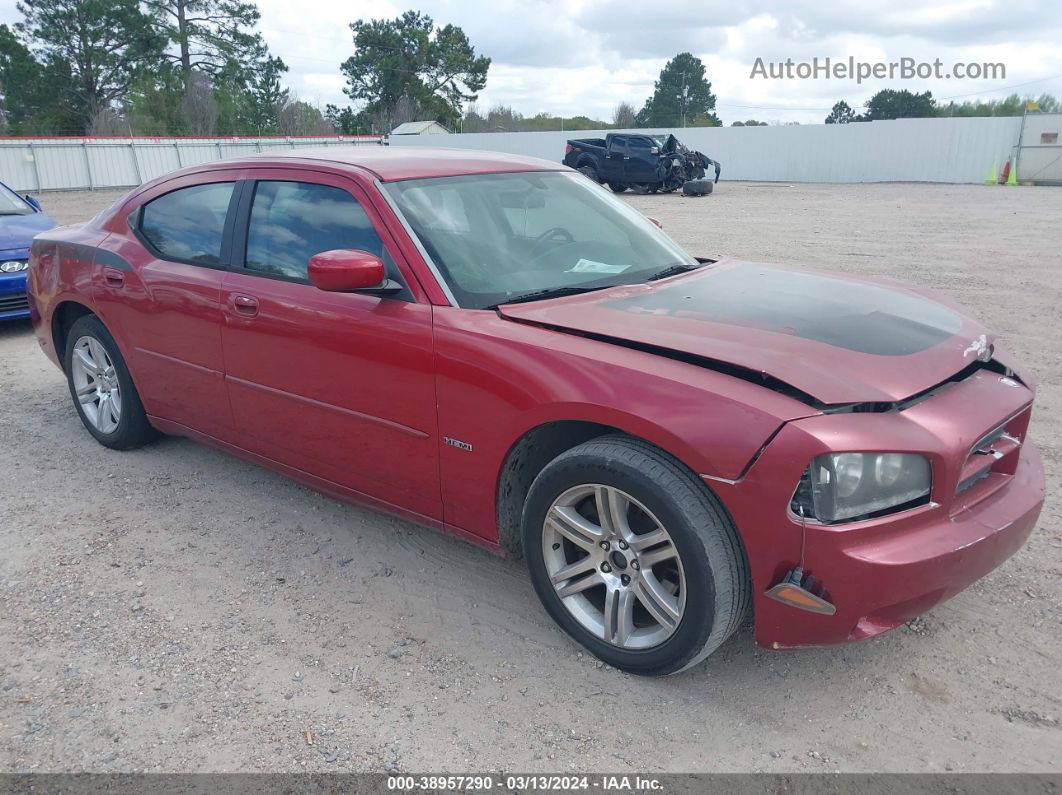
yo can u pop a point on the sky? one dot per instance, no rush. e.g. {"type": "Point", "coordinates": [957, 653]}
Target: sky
{"type": "Point", "coordinates": [583, 57]}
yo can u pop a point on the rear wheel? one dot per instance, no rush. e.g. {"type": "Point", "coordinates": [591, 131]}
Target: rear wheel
{"type": "Point", "coordinates": [633, 557]}
{"type": "Point", "coordinates": [590, 173]}
{"type": "Point", "coordinates": [102, 390]}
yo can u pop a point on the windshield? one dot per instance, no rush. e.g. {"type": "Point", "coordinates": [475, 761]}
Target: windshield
{"type": "Point", "coordinates": [501, 237]}
{"type": "Point", "coordinates": [11, 203]}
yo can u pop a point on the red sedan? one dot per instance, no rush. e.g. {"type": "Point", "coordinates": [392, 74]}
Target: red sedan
{"type": "Point", "coordinates": [497, 347]}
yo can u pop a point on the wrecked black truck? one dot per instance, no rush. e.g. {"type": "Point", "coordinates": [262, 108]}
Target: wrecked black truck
{"type": "Point", "coordinates": [642, 163]}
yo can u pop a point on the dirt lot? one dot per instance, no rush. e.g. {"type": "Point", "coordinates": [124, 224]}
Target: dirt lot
{"type": "Point", "coordinates": [175, 609]}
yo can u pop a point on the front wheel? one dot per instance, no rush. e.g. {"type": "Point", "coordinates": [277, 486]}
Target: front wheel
{"type": "Point", "coordinates": [102, 389]}
{"type": "Point", "coordinates": [633, 557]}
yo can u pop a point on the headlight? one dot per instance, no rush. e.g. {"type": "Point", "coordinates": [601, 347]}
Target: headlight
{"type": "Point", "coordinates": [846, 486]}
{"type": "Point", "coordinates": [14, 266]}
{"type": "Point", "coordinates": [848, 473]}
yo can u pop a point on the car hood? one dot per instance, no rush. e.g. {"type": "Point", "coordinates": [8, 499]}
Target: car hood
{"type": "Point", "coordinates": [17, 231]}
{"type": "Point", "coordinates": [838, 340]}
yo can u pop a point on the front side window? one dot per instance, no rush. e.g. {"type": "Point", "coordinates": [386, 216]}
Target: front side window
{"type": "Point", "coordinates": [640, 145]}
{"type": "Point", "coordinates": [529, 232]}
{"type": "Point", "coordinates": [188, 224]}
{"type": "Point", "coordinates": [292, 221]}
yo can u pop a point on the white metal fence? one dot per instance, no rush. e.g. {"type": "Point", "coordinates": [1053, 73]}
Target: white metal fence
{"type": "Point", "coordinates": [904, 150]}
{"type": "Point", "coordinates": [31, 165]}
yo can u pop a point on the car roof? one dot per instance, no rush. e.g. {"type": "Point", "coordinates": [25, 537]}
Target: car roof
{"type": "Point", "coordinates": [406, 162]}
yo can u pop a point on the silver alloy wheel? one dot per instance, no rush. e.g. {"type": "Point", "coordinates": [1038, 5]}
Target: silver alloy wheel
{"type": "Point", "coordinates": [96, 384]}
{"type": "Point", "coordinates": [614, 566]}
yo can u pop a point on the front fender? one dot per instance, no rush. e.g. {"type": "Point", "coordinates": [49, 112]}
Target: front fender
{"type": "Point", "coordinates": [498, 379]}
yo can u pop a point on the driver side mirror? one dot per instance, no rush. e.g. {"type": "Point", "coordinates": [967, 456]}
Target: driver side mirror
{"type": "Point", "coordinates": [346, 270]}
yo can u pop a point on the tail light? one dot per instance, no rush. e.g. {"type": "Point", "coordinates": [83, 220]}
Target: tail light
{"type": "Point", "coordinates": [567, 149]}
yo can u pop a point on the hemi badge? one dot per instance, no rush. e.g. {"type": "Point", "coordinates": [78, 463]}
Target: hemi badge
{"type": "Point", "coordinates": [458, 444]}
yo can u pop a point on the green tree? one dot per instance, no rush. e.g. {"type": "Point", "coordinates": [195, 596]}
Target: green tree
{"type": "Point", "coordinates": [683, 96]}
{"type": "Point", "coordinates": [841, 113]}
{"type": "Point", "coordinates": [153, 103]}
{"type": "Point", "coordinates": [105, 44]}
{"type": "Point", "coordinates": [34, 95]}
{"type": "Point", "coordinates": [1013, 105]}
{"type": "Point", "coordinates": [407, 57]}
{"type": "Point", "coordinates": [344, 120]}
{"type": "Point", "coordinates": [301, 118]}
{"type": "Point", "coordinates": [644, 117]}
{"type": "Point", "coordinates": [502, 118]}
{"type": "Point", "coordinates": [1049, 103]}
{"type": "Point", "coordinates": [232, 92]}
{"type": "Point", "coordinates": [891, 104]}
{"type": "Point", "coordinates": [623, 117]}
{"type": "Point", "coordinates": [266, 97]}
{"type": "Point", "coordinates": [212, 37]}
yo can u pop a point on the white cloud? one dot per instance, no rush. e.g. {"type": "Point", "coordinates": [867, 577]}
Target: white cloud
{"type": "Point", "coordinates": [583, 57]}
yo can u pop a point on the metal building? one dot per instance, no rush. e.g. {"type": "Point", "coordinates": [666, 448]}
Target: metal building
{"type": "Point", "coordinates": [1039, 152]}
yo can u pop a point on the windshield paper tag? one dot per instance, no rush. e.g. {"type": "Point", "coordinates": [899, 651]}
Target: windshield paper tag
{"type": "Point", "coordinates": [589, 266]}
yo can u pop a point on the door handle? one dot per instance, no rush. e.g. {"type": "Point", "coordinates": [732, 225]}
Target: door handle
{"type": "Point", "coordinates": [113, 277]}
{"type": "Point", "coordinates": [627, 158]}
{"type": "Point", "coordinates": [245, 305]}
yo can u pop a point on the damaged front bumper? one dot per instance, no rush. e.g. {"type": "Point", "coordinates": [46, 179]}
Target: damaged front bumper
{"type": "Point", "coordinates": [879, 573]}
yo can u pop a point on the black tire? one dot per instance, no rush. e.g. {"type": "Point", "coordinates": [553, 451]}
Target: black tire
{"type": "Point", "coordinates": [617, 187]}
{"type": "Point", "coordinates": [590, 173]}
{"type": "Point", "coordinates": [133, 429]}
{"type": "Point", "coordinates": [717, 580]}
{"type": "Point", "coordinates": [698, 187]}
{"type": "Point", "coordinates": [641, 188]}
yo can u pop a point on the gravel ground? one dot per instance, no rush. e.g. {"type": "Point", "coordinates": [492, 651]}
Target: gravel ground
{"type": "Point", "coordinates": [174, 609]}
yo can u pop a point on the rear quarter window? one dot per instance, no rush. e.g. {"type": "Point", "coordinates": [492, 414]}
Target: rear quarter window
{"type": "Point", "coordinates": [188, 224]}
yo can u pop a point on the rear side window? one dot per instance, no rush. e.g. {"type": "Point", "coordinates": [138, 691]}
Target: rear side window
{"type": "Point", "coordinates": [188, 224]}
{"type": "Point", "coordinates": [292, 221]}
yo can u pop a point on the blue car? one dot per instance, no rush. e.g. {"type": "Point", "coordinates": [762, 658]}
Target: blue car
{"type": "Point", "coordinates": [21, 218]}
